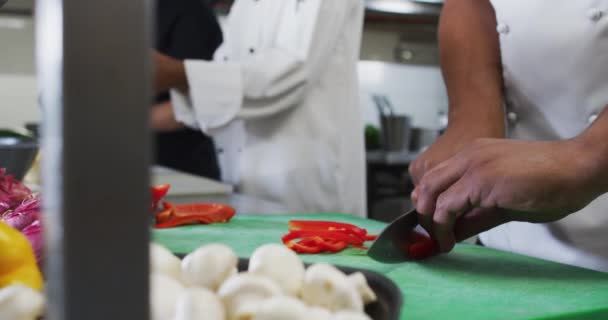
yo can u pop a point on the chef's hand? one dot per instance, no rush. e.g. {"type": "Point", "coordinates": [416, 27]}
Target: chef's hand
{"type": "Point", "coordinates": [169, 73]}
{"type": "Point", "coordinates": [162, 118]}
{"type": "Point", "coordinates": [456, 137]}
{"type": "Point", "coordinates": [493, 181]}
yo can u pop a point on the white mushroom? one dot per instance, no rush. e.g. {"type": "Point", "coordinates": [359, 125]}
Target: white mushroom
{"type": "Point", "coordinates": [280, 264]}
{"type": "Point", "coordinates": [199, 304]}
{"type": "Point", "coordinates": [164, 292]}
{"type": "Point", "coordinates": [165, 262]}
{"type": "Point", "coordinates": [350, 315]}
{"type": "Point", "coordinates": [328, 287]}
{"type": "Point", "coordinates": [319, 313]}
{"type": "Point", "coordinates": [243, 293]}
{"type": "Point", "coordinates": [360, 283]}
{"type": "Point", "coordinates": [282, 308]}
{"type": "Point", "coordinates": [209, 266]}
{"type": "Point", "coordinates": [19, 302]}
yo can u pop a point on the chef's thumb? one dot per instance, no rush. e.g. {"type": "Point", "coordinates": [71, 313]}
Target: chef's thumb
{"type": "Point", "coordinates": [477, 221]}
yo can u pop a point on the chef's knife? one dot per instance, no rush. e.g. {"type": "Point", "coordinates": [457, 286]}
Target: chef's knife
{"type": "Point", "coordinates": [391, 245]}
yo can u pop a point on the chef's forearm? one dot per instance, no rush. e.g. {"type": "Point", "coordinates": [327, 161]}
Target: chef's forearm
{"type": "Point", "coordinates": [471, 65]}
{"type": "Point", "coordinates": [162, 118]}
{"type": "Point", "coordinates": [593, 148]}
{"type": "Point", "coordinates": [169, 73]}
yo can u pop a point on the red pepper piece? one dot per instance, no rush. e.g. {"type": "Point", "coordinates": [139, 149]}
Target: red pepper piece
{"type": "Point", "coordinates": [371, 237]}
{"type": "Point", "coordinates": [421, 246]}
{"type": "Point", "coordinates": [326, 235]}
{"type": "Point", "coordinates": [164, 215]}
{"type": "Point", "coordinates": [300, 247]}
{"type": "Point", "coordinates": [204, 213]}
{"type": "Point", "coordinates": [333, 246]}
{"type": "Point", "coordinates": [157, 193]}
{"type": "Point", "coordinates": [297, 225]}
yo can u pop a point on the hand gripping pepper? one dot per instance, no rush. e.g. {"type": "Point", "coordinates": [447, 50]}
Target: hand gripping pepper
{"type": "Point", "coordinates": [17, 260]}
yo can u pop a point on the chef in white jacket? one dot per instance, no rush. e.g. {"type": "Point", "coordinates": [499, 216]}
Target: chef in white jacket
{"type": "Point", "coordinates": [280, 100]}
{"type": "Point", "coordinates": [537, 71]}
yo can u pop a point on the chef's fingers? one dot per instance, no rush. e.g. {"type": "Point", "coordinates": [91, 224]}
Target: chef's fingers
{"type": "Point", "coordinates": [414, 196]}
{"type": "Point", "coordinates": [477, 221]}
{"type": "Point", "coordinates": [451, 204]}
{"type": "Point", "coordinates": [434, 183]}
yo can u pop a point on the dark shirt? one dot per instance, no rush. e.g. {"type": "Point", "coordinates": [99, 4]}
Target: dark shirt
{"type": "Point", "coordinates": [186, 29]}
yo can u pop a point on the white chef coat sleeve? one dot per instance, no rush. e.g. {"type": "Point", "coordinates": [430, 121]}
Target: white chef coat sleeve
{"type": "Point", "coordinates": [273, 79]}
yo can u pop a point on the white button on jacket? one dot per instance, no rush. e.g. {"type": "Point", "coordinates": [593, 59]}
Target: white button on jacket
{"type": "Point", "coordinates": [281, 100]}
{"type": "Point", "coordinates": [557, 64]}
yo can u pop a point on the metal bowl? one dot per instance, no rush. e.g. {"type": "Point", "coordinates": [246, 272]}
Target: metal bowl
{"type": "Point", "coordinates": [17, 153]}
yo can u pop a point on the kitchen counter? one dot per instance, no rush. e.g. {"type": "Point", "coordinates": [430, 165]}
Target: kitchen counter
{"type": "Point", "coordinates": [471, 282]}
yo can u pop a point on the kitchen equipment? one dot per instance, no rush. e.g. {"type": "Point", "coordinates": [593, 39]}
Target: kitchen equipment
{"type": "Point", "coordinates": [388, 248]}
{"type": "Point", "coordinates": [422, 138]}
{"type": "Point", "coordinates": [17, 153]}
{"type": "Point", "coordinates": [395, 128]}
{"type": "Point", "coordinates": [471, 282]}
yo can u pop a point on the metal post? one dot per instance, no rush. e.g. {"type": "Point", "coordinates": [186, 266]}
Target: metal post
{"type": "Point", "coordinates": [94, 79]}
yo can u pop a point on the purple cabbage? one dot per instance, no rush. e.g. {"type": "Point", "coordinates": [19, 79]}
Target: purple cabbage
{"type": "Point", "coordinates": [33, 233]}
{"type": "Point", "coordinates": [23, 215]}
{"type": "Point", "coordinates": [12, 191]}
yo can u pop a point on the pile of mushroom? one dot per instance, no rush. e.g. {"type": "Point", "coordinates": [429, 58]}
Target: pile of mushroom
{"type": "Point", "coordinates": [206, 285]}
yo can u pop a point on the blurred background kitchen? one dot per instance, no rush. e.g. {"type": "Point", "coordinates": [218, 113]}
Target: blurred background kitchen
{"type": "Point", "coordinates": [402, 98]}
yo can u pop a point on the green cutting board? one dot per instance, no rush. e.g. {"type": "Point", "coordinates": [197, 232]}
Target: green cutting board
{"type": "Point", "coordinates": [471, 282]}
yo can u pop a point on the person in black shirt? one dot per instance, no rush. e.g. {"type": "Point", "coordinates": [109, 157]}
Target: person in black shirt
{"type": "Point", "coordinates": [185, 29]}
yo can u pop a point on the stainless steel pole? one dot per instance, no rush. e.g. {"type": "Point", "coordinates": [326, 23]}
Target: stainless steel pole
{"type": "Point", "coordinates": [94, 80]}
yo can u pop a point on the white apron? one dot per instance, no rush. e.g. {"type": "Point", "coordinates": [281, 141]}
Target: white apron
{"type": "Point", "coordinates": [281, 100]}
{"type": "Point", "coordinates": [555, 60]}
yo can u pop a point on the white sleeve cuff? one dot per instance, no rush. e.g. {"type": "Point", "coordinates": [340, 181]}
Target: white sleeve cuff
{"type": "Point", "coordinates": [182, 109]}
{"type": "Point", "coordinates": [216, 90]}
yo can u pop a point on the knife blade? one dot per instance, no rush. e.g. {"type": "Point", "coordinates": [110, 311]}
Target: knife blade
{"type": "Point", "coordinates": [392, 241]}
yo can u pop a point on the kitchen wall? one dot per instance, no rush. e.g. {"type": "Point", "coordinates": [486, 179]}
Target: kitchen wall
{"type": "Point", "coordinates": [17, 81]}
{"type": "Point", "coordinates": [400, 60]}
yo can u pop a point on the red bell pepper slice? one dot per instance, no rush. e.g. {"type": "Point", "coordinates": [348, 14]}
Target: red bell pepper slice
{"type": "Point", "coordinates": [303, 247]}
{"type": "Point", "coordinates": [297, 225]}
{"type": "Point", "coordinates": [204, 213]}
{"type": "Point", "coordinates": [164, 215]}
{"type": "Point", "coordinates": [326, 235]}
{"type": "Point", "coordinates": [315, 245]}
{"type": "Point", "coordinates": [157, 193]}
{"type": "Point", "coordinates": [371, 237]}
{"type": "Point", "coordinates": [421, 246]}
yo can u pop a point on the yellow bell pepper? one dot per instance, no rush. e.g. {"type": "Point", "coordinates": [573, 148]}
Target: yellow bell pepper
{"type": "Point", "coordinates": [17, 260]}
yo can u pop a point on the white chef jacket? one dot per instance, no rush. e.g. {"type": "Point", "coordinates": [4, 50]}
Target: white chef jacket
{"type": "Point", "coordinates": [555, 61]}
{"type": "Point", "coordinates": [281, 100]}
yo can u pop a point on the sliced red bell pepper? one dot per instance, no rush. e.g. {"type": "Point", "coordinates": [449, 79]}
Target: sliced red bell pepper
{"type": "Point", "coordinates": [333, 246]}
{"type": "Point", "coordinates": [297, 225]}
{"type": "Point", "coordinates": [164, 215]}
{"type": "Point", "coordinates": [421, 246]}
{"type": "Point", "coordinates": [157, 193]}
{"type": "Point", "coordinates": [303, 247]}
{"type": "Point", "coordinates": [371, 237]}
{"type": "Point", "coordinates": [326, 235]}
{"type": "Point", "coordinates": [205, 213]}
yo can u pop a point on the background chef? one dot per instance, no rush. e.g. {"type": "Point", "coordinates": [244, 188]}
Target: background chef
{"type": "Point", "coordinates": [184, 29]}
{"type": "Point", "coordinates": [281, 101]}
{"type": "Point", "coordinates": [547, 61]}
